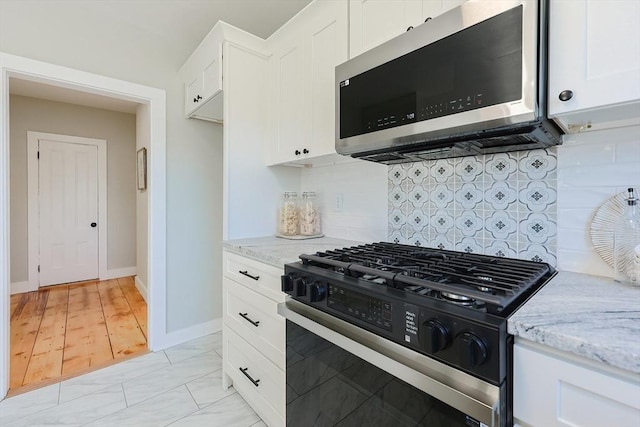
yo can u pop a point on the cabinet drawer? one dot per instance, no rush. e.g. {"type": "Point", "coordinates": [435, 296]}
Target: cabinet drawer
{"type": "Point", "coordinates": [550, 390]}
{"type": "Point", "coordinates": [259, 381]}
{"type": "Point", "coordinates": [255, 318]}
{"type": "Point", "coordinates": [255, 275]}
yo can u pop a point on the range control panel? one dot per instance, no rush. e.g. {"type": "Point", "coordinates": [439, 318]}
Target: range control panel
{"type": "Point", "coordinates": [364, 307]}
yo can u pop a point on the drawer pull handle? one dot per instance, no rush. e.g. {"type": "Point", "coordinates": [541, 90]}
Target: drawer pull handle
{"type": "Point", "coordinates": [245, 273]}
{"type": "Point", "coordinates": [245, 317]}
{"type": "Point", "coordinates": [244, 371]}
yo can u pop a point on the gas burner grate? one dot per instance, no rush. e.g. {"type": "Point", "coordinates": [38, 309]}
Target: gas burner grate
{"type": "Point", "coordinates": [479, 281]}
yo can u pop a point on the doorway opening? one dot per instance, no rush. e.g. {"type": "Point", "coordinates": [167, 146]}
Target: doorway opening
{"type": "Point", "coordinates": [150, 134]}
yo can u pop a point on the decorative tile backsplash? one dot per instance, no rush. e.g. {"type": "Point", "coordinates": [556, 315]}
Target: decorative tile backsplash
{"type": "Point", "coordinates": [499, 204]}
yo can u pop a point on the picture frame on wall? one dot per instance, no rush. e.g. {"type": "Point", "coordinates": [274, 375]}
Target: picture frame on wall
{"type": "Point", "coordinates": [142, 169]}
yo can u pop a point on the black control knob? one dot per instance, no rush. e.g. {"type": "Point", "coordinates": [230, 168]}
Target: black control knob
{"type": "Point", "coordinates": [317, 292]}
{"type": "Point", "coordinates": [305, 151]}
{"type": "Point", "coordinates": [297, 152]}
{"type": "Point", "coordinates": [299, 287]}
{"type": "Point", "coordinates": [472, 349]}
{"type": "Point", "coordinates": [565, 95]}
{"type": "Point", "coordinates": [436, 336]}
{"type": "Point", "coordinates": [286, 283]}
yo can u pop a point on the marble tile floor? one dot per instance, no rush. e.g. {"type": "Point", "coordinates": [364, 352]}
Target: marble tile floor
{"type": "Point", "coordinates": [180, 386]}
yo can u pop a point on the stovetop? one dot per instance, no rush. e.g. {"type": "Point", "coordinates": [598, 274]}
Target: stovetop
{"type": "Point", "coordinates": [480, 282]}
{"type": "Point", "coordinates": [452, 306]}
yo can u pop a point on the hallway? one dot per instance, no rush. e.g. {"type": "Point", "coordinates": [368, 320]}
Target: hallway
{"type": "Point", "coordinates": [67, 330]}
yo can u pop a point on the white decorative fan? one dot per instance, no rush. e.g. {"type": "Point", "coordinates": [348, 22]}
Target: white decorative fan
{"type": "Point", "coordinates": [603, 225]}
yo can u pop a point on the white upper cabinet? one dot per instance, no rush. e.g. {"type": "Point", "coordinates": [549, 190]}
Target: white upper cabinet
{"type": "Point", "coordinates": [202, 77]}
{"type": "Point", "coordinates": [305, 51]}
{"type": "Point", "coordinates": [594, 64]}
{"type": "Point", "coordinates": [373, 22]}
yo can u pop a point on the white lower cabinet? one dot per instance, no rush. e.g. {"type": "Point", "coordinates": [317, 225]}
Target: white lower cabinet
{"type": "Point", "coordinates": [254, 336]}
{"type": "Point", "coordinates": [554, 389]}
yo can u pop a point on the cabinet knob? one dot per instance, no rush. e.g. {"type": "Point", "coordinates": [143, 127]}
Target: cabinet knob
{"type": "Point", "coordinates": [565, 95]}
{"type": "Point", "coordinates": [197, 98]}
{"type": "Point", "coordinates": [305, 151]}
{"type": "Point", "coordinates": [297, 152]}
{"type": "Point", "coordinates": [410, 27]}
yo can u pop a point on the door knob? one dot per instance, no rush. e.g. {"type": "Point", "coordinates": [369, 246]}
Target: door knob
{"type": "Point", "coordinates": [94, 225]}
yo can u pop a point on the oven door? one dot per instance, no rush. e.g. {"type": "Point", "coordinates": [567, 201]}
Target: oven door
{"type": "Point", "coordinates": [341, 375]}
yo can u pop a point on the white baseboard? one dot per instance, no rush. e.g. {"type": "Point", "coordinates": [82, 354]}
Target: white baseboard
{"type": "Point", "coordinates": [120, 272]}
{"type": "Point", "coordinates": [21, 287]}
{"type": "Point", "coordinates": [142, 288]}
{"type": "Point", "coordinates": [187, 334]}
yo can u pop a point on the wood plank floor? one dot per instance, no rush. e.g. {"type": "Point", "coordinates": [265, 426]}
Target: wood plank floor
{"type": "Point", "coordinates": [69, 329]}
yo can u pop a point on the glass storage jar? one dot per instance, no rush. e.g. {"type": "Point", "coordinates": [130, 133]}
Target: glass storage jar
{"type": "Point", "coordinates": [626, 243]}
{"type": "Point", "coordinates": [309, 215]}
{"type": "Point", "coordinates": [288, 223]}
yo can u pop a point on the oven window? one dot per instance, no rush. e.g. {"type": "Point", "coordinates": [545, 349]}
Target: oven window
{"type": "Point", "coordinates": [328, 386]}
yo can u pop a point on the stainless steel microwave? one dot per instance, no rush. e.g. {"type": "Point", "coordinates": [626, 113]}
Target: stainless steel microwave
{"type": "Point", "coordinates": [468, 82]}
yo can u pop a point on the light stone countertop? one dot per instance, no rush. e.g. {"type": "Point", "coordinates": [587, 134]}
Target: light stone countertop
{"type": "Point", "coordinates": [278, 252]}
{"type": "Point", "coordinates": [589, 316]}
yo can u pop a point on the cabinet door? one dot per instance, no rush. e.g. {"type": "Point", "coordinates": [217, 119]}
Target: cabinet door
{"type": "Point", "coordinates": [373, 22]}
{"type": "Point", "coordinates": [327, 46]}
{"type": "Point", "coordinates": [289, 101]}
{"type": "Point", "coordinates": [212, 75]}
{"type": "Point", "coordinates": [192, 90]}
{"type": "Point", "coordinates": [552, 391]}
{"type": "Point", "coordinates": [594, 51]}
{"type": "Point", "coordinates": [433, 8]}
{"type": "Point", "coordinates": [302, 75]}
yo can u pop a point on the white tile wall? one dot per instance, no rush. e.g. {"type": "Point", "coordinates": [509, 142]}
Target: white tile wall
{"type": "Point", "coordinates": [591, 168]}
{"type": "Point", "coordinates": [363, 186]}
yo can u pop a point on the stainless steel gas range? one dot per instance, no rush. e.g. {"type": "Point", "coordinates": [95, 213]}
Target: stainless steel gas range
{"type": "Point", "coordinates": [389, 334]}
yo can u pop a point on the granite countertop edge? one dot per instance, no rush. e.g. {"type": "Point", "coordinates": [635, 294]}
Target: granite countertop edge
{"type": "Point", "coordinates": [588, 316]}
{"type": "Point", "coordinates": [276, 251]}
{"type": "Point", "coordinates": [584, 315]}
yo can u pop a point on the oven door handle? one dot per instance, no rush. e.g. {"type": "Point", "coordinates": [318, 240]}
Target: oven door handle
{"type": "Point", "coordinates": [466, 393]}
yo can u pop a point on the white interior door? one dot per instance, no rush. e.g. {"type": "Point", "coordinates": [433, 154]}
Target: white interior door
{"type": "Point", "coordinates": [68, 193]}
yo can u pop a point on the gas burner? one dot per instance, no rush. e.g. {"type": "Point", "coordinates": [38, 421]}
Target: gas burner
{"type": "Point", "coordinates": [458, 299]}
{"type": "Point", "coordinates": [462, 300]}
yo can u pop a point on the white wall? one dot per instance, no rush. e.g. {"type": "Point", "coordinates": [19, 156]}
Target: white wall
{"type": "Point", "coordinates": [363, 186]}
{"type": "Point", "coordinates": [30, 114]}
{"type": "Point", "coordinates": [194, 154]}
{"type": "Point", "coordinates": [142, 203]}
{"type": "Point", "coordinates": [591, 168]}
